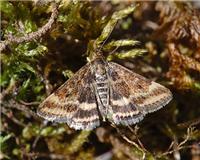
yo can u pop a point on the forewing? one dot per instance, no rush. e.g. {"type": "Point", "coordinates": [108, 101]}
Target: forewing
{"type": "Point", "coordinates": [73, 103]}
{"type": "Point", "coordinates": [145, 95]}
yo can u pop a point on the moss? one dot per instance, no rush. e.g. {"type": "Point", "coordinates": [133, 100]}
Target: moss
{"type": "Point", "coordinates": [43, 44]}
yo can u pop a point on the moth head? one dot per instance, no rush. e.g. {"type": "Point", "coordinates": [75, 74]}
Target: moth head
{"type": "Point", "coordinates": [99, 66]}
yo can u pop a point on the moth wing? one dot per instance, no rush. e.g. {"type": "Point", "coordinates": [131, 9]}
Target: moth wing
{"type": "Point", "coordinates": [121, 109]}
{"type": "Point", "coordinates": [73, 103]}
{"type": "Point", "coordinates": [142, 95]}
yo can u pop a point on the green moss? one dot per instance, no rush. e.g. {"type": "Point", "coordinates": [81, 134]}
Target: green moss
{"type": "Point", "coordinates": [32, 70]}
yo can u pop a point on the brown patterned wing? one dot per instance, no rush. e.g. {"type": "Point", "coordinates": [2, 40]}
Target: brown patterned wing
{"type": "Point", "coordinates": [122, 110]}
{"type": "Point", "coordinates": [140, 95]}
{"type": "Point", "coordinates": [73, 103]}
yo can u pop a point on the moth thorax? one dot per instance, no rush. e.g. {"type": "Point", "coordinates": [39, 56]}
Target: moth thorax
{"type": "Point", "coordinates": [99, 67]}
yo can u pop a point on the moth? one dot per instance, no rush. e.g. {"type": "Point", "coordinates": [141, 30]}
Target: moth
{"type": "Point", "coordinates": [103, 90]}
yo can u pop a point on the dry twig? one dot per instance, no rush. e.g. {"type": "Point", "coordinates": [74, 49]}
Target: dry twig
{"type": "Point", "coordinates": [13, 104]}
{"type": "Point", "coordinates": [10, 115]}
{"type": "Point", "coordinates": [130, 141]}
{"type": "Point", "coordinates": [33, 35]}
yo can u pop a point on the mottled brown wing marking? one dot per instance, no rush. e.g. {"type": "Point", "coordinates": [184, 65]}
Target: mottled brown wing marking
{"type": "Point", "coordinates": [122, 87]}
{"type": "Point", "coordinates": [68, 101]}
{"type": "Point", "coordinates": [53, 106]}
{"type": "Point", "coordinates": [85, 119]}
{"type": "Point", "coordinates": [87, 116]}
{"type": "Point", "coordinates": [156, 97]}
{"type": "Point", "coordinates": [122, 110]}
{"type": "Point", "coordinates": [146, 95]}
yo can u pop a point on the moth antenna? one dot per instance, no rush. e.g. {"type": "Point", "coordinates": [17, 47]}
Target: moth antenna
{"type": "Point", "coordinates": [114, 50]}
{"type": "Point", "coordinates": [106, 39]}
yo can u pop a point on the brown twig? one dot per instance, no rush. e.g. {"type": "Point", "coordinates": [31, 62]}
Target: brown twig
{"type": "Point", "coordinates": [118, 146]}
{"type": "Point", "coordinates": [10, 115]}
{"type": "Point", "coordinates": [179, 146]}
{"type": "Point", "coordinates": [190, 123]}
{"type": "Point", "coordinates": [10, 89]}
{"type": "Point", "coordinates": [130, 141]}
{"type": "Point", "coordinates": [47, 71]}
{"type": "Point", "coordinates": [29, 103]}
{"type": "Point", "coordinates": [134, 131]}
{"type": "Point", "coordinates": [21, 107]}
{"type": "Point", "coordinates": [39, 135]}
{"type": "Point", "coordinates": [33, 35]}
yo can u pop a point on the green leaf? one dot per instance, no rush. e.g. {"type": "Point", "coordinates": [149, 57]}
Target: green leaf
{"type": "Point", "coordinates": [3, 141]}
{"type": "Point", "coordinates": [120, 43]}
{"type": "Point", "coordinates": [37, 88]}
{"type": "Point", "coordinates": [68, 73]}
{"type": "Point", "coordinates": [25, 66]}
{"type": "Point", "coordinates": [30, 131]}
{"type": "Point", "coordinates": [128, 54]}
{"type": "Point", "coordinates": [17, 152]}
{"type": "Point", "coordinates": [30, 49]}
{"type": "Point", "coordinates": [111, 24]}
{"type": "Point", "coordinates": [30, 26]}
{"type": "Point", "coordinates": [10, 29]}
{"type": "Point", "coordinates": [34, 130]}
{"type": "Point", "coordinates": [78, 142]}
{"type": "Point", "coordinates": [52, 131]}
{"type": "Point", "coordinates": [7, 8]}
{"type": "Point", "coordinates": [40, 50]}
{"type": "Point", "coordinates": [126, 24]}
